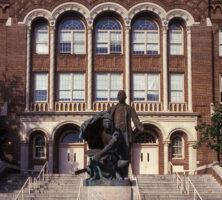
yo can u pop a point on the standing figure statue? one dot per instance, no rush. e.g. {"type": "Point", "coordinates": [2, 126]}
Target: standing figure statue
{"type": "Point", "coordinates": [109, 138]}
{"type": "Point", "coordinates": [122, 114]}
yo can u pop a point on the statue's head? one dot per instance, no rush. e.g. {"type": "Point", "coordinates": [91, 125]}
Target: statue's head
{"type": "Point", "coordinates": [107, 120]}
{"type": "Point", "coordinates": [121, 96]}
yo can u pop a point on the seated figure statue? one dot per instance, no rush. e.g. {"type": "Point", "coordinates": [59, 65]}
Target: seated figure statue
{"type": "Point", "coordinates": [106, 158]}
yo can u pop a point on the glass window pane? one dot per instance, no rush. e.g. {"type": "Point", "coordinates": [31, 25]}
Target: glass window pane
{"type": "Point", "coordinates": [138, 37]}
{"type": "Point", "coordinates": [175, 37]}
{"type": "Point", "coordinates": [65, 37]}
{"type": "Point", "coordinates": [64, 95]}
{"type": "Point", "coordinates": [115, 37]}
{"type": "Point", "coordinates": [42, 48]}
{"type": "Point", "coordinates": [101, 48]}
{"type": "Point", "coordinates": [116, 82]}
{"type": "Point", "coordinates": [41, 82]}
{"type": "Point", "coordinates": [65, 47]}
{"type": "Point", "coordinates": [176, 81]}
{"type": "Point", "coordinates": [79, 37]}
{"type": "Point", "coordinates": [153, 81]}
{"type": "Point", "coordinates": [139, 95]}
{"type": "Point", "coordinates": [138, 48]}
{"type": "Point", "coordinates": [42, 37]}
{"type": "Point", "coordinates": [64, 82]}
{"type": "Point", "coordinates": [108, 24]}
{"type": "Point", "coordinates": [176, 96]}
{"type": "Point", "coordinates": [101, 95]}
{"type": "Point", "coordinates": [113, 95]}
{"type": "Point", "coordinates": [153, 96]}
{"type": "Point", "coordinates": [152, 37]}
{"type": "Point", "coordinates": [78, 81]}
{"type": "Point", "coordinates": [78, 95]}
{"type": "Point", "coordinates": [220, 48]}
{"type": "Point", "coordinates": [102, 37]}
{"type": "Point", "coordinates": [40, 95]}
{"type": "Point", "coordinates": [138, 81]}
{"type": "Point", "coordinates": [152, 49]}
{"type": "Point", "coordinates": [101, 81]}
{"type": "Point", "coordinates": [72, 24]}
{"type": "Point", "coordinates": [79, 48]}
{"type": "Point", "coordinates": [176, 49]}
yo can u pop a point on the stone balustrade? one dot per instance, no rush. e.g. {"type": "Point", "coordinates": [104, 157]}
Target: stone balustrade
{"type": "Point", "coordinates": [39, 107]}
{"type": "Point", "coordinates": [70, 106]}
{"type": "Point", "coordinates": [178, 107]}
{"type": "Point", "coordinates": [102, 106]}
{"type": "Point", "coordinates": [147, 106]}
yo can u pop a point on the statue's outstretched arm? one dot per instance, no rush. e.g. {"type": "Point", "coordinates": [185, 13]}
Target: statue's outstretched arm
{"type": "Point", "coordinates": [136, 120]}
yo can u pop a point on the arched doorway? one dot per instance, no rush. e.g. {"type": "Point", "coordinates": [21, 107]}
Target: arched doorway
{"type": "Point", "coordinates": [145, 153]}
{"type": "Point", "coordinates": [71, 152]}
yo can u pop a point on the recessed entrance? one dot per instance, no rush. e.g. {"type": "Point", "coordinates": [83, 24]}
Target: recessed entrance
{"type": "Point", "coordinates": [71, 153]}
{"type": "Point", "coordinates": [145, 154]}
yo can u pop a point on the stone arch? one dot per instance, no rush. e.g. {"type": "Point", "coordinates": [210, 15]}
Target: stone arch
{"type": "Point", "coordinates": [179, 13]}
{"type": "Point", "coordinates": [185, 131]}
{"type": "Point", "coordinates": [37, 129]}
{"type": "Point", "coordinates": [69, 6]}
{"type": "Point", "coordinates": [74, 123]}
{"type": "Point", "coordinates": [108, 6]}
{"type": "Point", "coordinates": [147, 6]}
{"type": "Point", "coordinates": [36, 13]}
{"type": "Point", "coordinates": [155, 124]}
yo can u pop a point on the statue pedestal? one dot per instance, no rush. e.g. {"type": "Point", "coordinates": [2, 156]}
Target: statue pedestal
{"type": "Point", "coordinates": [110, 190]}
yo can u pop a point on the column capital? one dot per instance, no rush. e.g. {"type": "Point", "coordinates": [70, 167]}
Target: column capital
{"type": "Point", "coordinates": [164, 28]}
{"type": "Point", "coordinates": [89, 28]}
{"type": "Point", "coordinates": [188, 29]}
{"type": "Point", "coordinates": [166, 142]}
{"type": "Point", "coordinates": [191, 143]}
{"type": "Point", "coordinates": [51, 142]}
{"type": "Point", "coordinates": [52, 28]}
{"type": "Point", "coordinates": [127, 28]}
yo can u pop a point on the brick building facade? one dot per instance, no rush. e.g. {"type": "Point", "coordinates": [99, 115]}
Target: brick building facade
{"type": "Point", "coordinates": [61, 62]}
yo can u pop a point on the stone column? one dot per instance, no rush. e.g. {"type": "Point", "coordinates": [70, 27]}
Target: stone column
{"type": "Point", "coordinates": [24, 155]}
{"type": "Point", "coordinates": [127, 63]}
{"type": "Point", "coordinates": [50, 160]}
{"type": "Point", "coordinates": [192, 155]}
{"type": "Point", "coordinates": [90, 88]}
{"type": "Point", "coordinates": [165, 70]}
{"type": "Point", "coordinates": [28, 57]}
{"type": "Point", "coordinates": [52, 68]}
{"type": "Point", "coordinates": [166, 155]}
{"type": "Point", "coordinates": [189, 70]}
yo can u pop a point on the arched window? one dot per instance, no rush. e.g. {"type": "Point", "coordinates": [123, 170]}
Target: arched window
{"type": "Point", "coordinates": [71, 137]}
{"type": "Point", "coordinates": [145, 37]}
{"type": "Point", "coordinates": [220, 41]}
{"type": "Point", "coordinates": [177, 147]}
{"type": "Point", "coordinates": [176, 39]}
{"type": "Point", "coordinates": [72, 36]}
{"type": "Point", "coordinates": [145, 138]}
{"type": "Point", "coordinates": [39, 147]}
{"type": "Point", "coordinates": [41, 39]}
{"type": "Point", "coordinates": [108, 36]}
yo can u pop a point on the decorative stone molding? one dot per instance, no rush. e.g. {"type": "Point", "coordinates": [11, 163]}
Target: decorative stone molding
{"type": "Point", "coordinates": [147, 6]}
{"type": "Point", "coordinates": [179, 13]}
{"type": "Point", "coordinates": [108, 6]}
{"type": "Point", "coordinates": [69, 6]}
{"type": "Point", "coordinates": [35, 14]}
{"type": "Point", "coordinates": [191, 137]}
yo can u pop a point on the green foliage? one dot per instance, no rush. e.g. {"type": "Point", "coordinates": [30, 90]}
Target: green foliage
{"type": "Point", "coordinates": [211, 134]}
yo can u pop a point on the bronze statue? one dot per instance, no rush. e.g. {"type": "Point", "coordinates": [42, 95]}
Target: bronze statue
{"type": "Point", "coordinates": [109, 137]}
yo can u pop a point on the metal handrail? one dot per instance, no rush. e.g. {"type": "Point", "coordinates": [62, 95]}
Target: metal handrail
{"type": "Point", "coordinates": [179, 180]}
{"type": "Point", "coordinates": [21, 192]}
{"type": "Point", "coordinates": [41, 174]}
{"type": "Point", "coordinates": [80, 186]}
{"type": "Point", "coordinates": [133, 177]}
{"type": "Point", "coordinates": [196, 194]}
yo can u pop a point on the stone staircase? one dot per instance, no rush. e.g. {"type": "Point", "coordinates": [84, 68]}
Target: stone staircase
{"type": "Point", "coordinates": [10, 185]}
{"type": "Point", "coordinates": [207, 186]}
{"type": "Point", "coordinates": [56, 187]}
{"type": "Point", "coordinates": [157, 187]}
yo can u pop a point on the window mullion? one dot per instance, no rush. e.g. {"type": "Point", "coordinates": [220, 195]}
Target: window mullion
{"type": "Point", "coordinates": [146, 86]}
{"type": "Point", "coordinates": [109, 85]}
{"type": "Point", "coordinates": [71, 88]}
